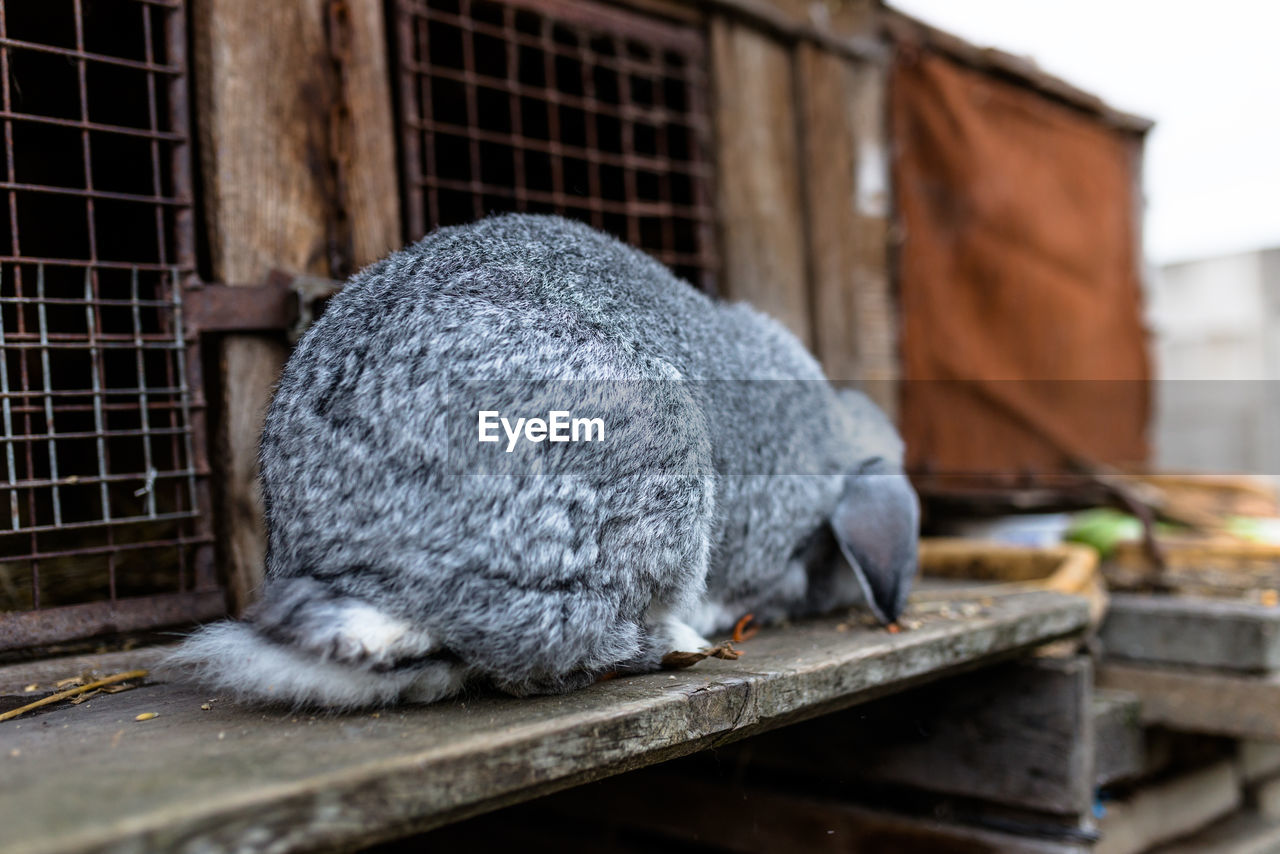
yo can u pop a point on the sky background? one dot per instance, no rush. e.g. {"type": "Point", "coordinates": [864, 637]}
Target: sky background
{"type": "Point", "coordinates": [1209, 74]}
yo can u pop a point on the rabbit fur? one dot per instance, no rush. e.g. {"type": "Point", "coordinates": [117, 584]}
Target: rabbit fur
{"type": "Point", "coordinates": [404, 564]}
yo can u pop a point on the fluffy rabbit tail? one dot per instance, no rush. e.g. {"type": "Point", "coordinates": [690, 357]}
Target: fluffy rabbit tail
{"type": "Point", "coordinates": [301, 647]}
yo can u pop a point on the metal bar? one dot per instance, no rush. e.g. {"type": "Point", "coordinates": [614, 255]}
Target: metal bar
{"type": "Point", "coordinates": [91, 194]}
{"type": "Point", "coordinates": [145, 545]}
{"type": "Point", "coordinates": [93, 434]}
{"type": "Point", "coordinates": [561, 148]}
{"type": "Point", "coordinates": [85, 56]}
{"type": "Point", "coordinates": [97, 127]}
{"type": "Point", "coordinates": [142, 266]}
{"type": "Point", "coordinates": [411, 144]}
{"type": "Point", "coordinates": [117, 522]}
{"type": "Point", "coordinates": [594, 16]}
{"type": "Point", "coordinates": [240, 308]}
{"type": "Point", "coordinates": [89, 480]}
{"type": "Point", "coordinates": [514, 115]}
{"type": "Point", "coordinates": [638, 208]}
{"type": "Point", "coordinates": [74, 622]}
{"type": "Point", "coordinates": [546, 45]}
{"type": "Point", "coordinates": [144, 412]}
{"type": "Point", "coordinates": [48, 399]}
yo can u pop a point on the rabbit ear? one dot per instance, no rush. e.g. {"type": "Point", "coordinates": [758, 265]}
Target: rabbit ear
{"type": "Point", "coordinates": [877, 523]}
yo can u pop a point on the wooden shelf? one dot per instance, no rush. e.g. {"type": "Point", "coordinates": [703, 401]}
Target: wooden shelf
{"type": "Point", "coordinates": [91, 778]}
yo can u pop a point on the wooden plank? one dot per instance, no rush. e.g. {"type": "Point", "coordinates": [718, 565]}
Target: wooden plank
{"type": "Point", "coordinates": [1193, 630]}
{"type": "Point", "coordinates": [1016, 735]}
{"type": "Point", "coordinates": [299, 175]}
{"type": "Point", "coordinates": [1166, 811]}
{"type": "Point", "coordinates": [1238, 706]}
{"type": "Point", "coordinates": [758, 175]}
{"type": "Point", "coordinates": [846, 154]}
{"type": "Point", "coordinates": [90, 778]}
{"type": "Point", "coordinates": [1119, 742]}
{"type": "Point", "coordinates": [366, 142]}
{"type": "Point", "coordinates": [263, 120]}
{"type": "Point", "coordinates": [1257, 760]}
{"type": "Point", "coordinates": [731, 817]}
{"type": "Point", "coordinates": [1242, 833]}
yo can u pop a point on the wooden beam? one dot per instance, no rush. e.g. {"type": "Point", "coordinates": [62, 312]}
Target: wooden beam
{"type": "Point", "coordinates": [299, 170]}
{"type": "Point", "coordinates": [1120, 751]}
{"type": "Point", "coordinates": [1193, 630]}
{"type": "Point", "coordinates": [1170, 809]}
{"type": "Point", "coordinates": [846, 157]}
{"type": "Point", "coordinates": [758, 175]}
{"type": "Point", "coordinates": [1234, 705]}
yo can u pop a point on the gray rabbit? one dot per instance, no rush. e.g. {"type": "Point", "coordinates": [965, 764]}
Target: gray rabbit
{"type": "Point", "coordinates": [411, 554]}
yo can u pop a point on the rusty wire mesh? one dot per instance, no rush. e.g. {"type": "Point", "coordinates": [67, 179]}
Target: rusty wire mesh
{"type": "Point", "coordinates": [573, 108]}
{"type": "Point", "coordinates": [103, 520]}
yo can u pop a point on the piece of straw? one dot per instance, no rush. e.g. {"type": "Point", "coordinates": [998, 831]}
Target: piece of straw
{"type": "Point", "coordinates": [71, 692]}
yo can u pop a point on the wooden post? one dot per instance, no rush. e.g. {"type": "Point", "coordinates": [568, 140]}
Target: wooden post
{"type": "Point", "coordinates": [758, 174]}
{"type": "Point", "coordinates": [293, 180]}
{"type": "Point", "coordinates": [846, 159]}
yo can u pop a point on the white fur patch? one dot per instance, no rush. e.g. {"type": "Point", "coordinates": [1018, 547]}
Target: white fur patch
{"type": "Point", "coordinates": [710, 617]}
{"type": "Point", "coordinates": [232, 657]}
{"type": "Point", "coordinates": [682, 637]}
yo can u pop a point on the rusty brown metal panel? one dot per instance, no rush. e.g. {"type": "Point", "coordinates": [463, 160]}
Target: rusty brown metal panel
{"type": "Point", "coordinates": [1023, 347]}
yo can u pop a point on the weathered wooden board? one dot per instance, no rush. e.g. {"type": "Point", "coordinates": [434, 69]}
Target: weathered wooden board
{"type": "Point", "coordinates": [263, 120]}
{"type": "Point", "coordinates": [91, 778]}
{"type": "Point", "coordinates": [365, 144]}
{"type": "Point", "coordinates": [1017, 735]}
{"type": "Point", "coordinates": [1119, 743]}
{"type": "Point", "coordinates": [1257, 760]}
{"type": "Point", "coordinates": [1242, 833]}
{"type": "Point", "coordinates": [1165, 811]}
{"type": "Point", "coordinates": [299, 172]}
{"type": "Point", "coordinates": [1193, 630]}
{"type": "Point", "coordinates": [756, 819]}
{"type": "Point", "coordinates": [1239, 706]}
{"type": "Point", "coordinates": [758, 174]}
{"type": "Point", "coordinates": [846, 169]}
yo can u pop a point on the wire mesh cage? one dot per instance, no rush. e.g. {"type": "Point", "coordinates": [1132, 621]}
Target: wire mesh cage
{"type": "Point", "coordinates": [103, 508]}
{"type": "Point", "coordinates": [573, 108]}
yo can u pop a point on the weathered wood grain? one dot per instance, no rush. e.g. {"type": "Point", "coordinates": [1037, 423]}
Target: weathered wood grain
{"type": "Point", "coordinates": [90, 778]}
{"type": "Point", "coordinates": [1170, 809]}
{"type": "Point", "coordinates": [1016, 735]}
{"type": "Point", "coordinates": [1242, 833]}
{"type": "Point", "coordinates": [262, 71]}
{"type": "Point", "coordinates": [1235, 705]}
{"type": "Point", "coordinates": [298, 163]}
{"type": "Point", "coordinates": [1119, 744]}
{"type": "Point", "coordinates": [758, 175]}
{"type": "Point", "coordinates": [1193, 630]}
{"type": "Point", "coordinates": [846, 170]}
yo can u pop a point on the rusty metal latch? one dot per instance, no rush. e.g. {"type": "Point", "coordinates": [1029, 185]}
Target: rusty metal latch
{"type": "Point", "coordinates": [284, 303]}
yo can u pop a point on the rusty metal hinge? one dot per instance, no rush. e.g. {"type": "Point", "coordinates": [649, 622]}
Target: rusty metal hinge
{"type": "Point", "coordinates": [284, 303]}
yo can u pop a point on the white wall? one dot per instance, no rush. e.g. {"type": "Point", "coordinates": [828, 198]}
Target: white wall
{"type": "Point", "coordinates": [1217, 350]}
